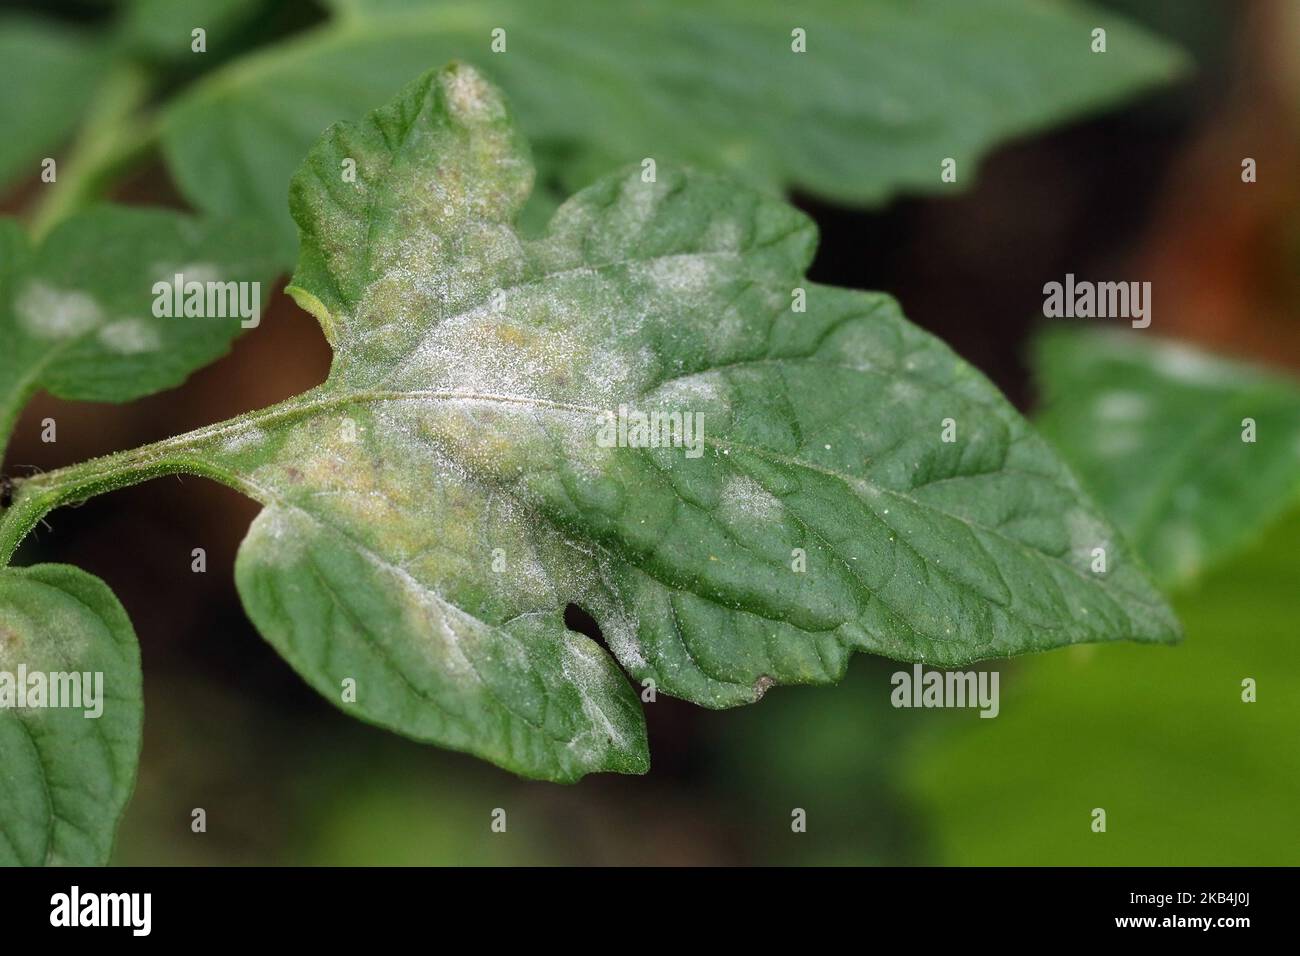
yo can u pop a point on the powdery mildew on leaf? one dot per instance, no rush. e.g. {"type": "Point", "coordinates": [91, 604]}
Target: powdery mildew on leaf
{"type": "Point", "coordinates": [434, 506]}
{"type": "Point", "coordinates": [130, 337]}
{"type": "Point", "coordinates": [1192, 455]}
{"type": "Point", "coordinates": [77, 312]}
{"type": "Point", "coordinates": [48, 313]}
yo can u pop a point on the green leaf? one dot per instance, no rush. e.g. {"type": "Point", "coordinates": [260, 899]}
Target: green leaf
{"type": "Point", "coordinates": [433, 507]}
{"type": "Point", "coordinates": [1188, 773]}
{"type": "Point", "coordinates": [50, 71]}
{"type": "Point", "coordinates": [161, 29]}
{"type": "Point", "coordinates": [77, 314]}
{"type": "Point", "coordinates": [65, 777]}
{"type": "Point", "coordinates": [884, 93]}
{"type": "Point", "coordinates": [1156, 430]}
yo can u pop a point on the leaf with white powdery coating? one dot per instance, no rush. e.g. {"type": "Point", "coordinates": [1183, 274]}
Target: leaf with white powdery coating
{"type": "Point", "coordinates": [77, 312]}
{"type": "Point", "coordinates": [65, 778]}
{"type": "Point", "coordinates": [433, 507]}
{"type": "Point", "coordinates": [1158, 432]}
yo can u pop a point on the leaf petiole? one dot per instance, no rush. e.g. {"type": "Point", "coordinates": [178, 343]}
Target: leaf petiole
{"type": "Point", "coordinates": [34, 497]}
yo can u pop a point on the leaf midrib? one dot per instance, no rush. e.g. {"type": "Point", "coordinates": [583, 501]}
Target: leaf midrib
{"type": "Point", "coordinates": [858, 484]}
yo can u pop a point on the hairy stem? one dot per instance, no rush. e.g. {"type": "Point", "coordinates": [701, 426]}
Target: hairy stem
{"type": "Point", "coordinates": [35, 497]}
{"type": "Point", "coordinates": [199, 452]}
{"type": "Point", "coordinates": [187, 454]}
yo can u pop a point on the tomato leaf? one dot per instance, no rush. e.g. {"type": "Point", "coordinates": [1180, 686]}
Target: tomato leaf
{"type": "Point", "coordinates": [1167, 752]}
{"type": "Point", "coordinates": [435, 505]}
{"type": "Point", "coordinates": [51, 71]}
{"type": "Point", "coordinates": [1192, 455]}
{"type": "Point", "coordinates": [884, 93]}
{"type": "Point", "coordinates": [66, 772]}
{"type": "Point", "coordinates": [77, 314]}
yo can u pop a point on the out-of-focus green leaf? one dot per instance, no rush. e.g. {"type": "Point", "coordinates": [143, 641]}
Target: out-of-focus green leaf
{"type": "Point", "coordinates": [48, 73]}
{"type": "Point", "coordinates": [885, 92]}
{"type": "Point", "coordinates": [77, 312]}
{"type": "Point", "coordinates": [162, 29]}
{"type": "Point", "coordinates": [65, 777]}
{"type": "Point", "coordinates": [1186, 771]}
{"type": "Point", "coordinates": [1155, 429]}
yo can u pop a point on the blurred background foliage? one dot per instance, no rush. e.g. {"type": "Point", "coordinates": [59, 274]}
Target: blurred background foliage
{"type": "Point", "coordinates": [1186, 772]}
{"type": "Point", "coordinates": [1158, 737]}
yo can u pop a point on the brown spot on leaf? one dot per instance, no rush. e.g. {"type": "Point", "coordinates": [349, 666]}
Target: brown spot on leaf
{"type": "Point", "coordinates": [761, 685]}
{"type": "Point", "coordinates": [8, 638]}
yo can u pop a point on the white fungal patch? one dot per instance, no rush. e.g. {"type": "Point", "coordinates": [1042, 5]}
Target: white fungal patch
{"type": "Point", "coordinates": [46, 312]}
{"type": "Point", "coordinates": [530, 582]}
{"type": "Point", "coordinates": [1188, 365]}
{"type": "Point", "coordinates": [730, 335]}
{"type": "Point", "coordinates": [682, 275]}
{"type": "Point", "coordinates": [857, 352]}
{"type": "Point", "coordinates": [723, 234]}
{"type": "Point", "coordinates": [484, 356]}
{"type": "Point", "coordinates": [425, 272]}
{"type": "Point", "coordinates": [1122, 406]}
{"type": "Point", "coordinates": [743, 497]}
{"type": "Point", "coordinates": [588, 669]}
{"type": "Point", "coordinates": [278, 538]}
{"type": "Point", "coordinates": [247, 438]}
{"type": "Point", "coordinates": [619, 629]}
{"type": "Point", "coordinates": [130, 337]}
{"type": "Point", "coordinates": [698, 393]}
{"type": "Point", "coordinates": [905, 391]}
{"type": "Point", "coordinates": [638, 203]}
{"type": "Point", "coordinates": [614, 373]}
{"type": "Point", "coordinates": [204, 272]}
{"type": "Point", "coordinates": [452, 635]}
{"type": "Point", "coordinates": [470, 98]}
{"type": "Point", "coordinates": [1085, 532]}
